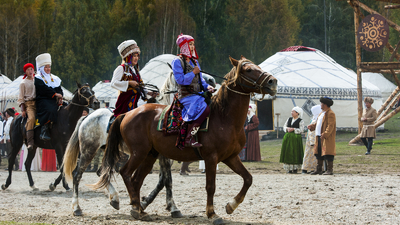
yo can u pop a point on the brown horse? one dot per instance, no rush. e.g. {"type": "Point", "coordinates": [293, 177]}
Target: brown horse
{"type": "Point", "coordinates": [225, 138]}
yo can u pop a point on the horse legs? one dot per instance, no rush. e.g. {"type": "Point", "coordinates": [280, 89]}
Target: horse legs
{"type": "Point", "coordinates": [237, 166]}
{"type": "Point", "coordinates": [28, 163]}
{"type": "Point", "coordinates": [211, 170]}
{"type": "Point", "coordinates": [134, 183]}
{"type": "Point", "coordinates": [60, 155]}
{"type": "Point", "coordinates": [165, 179]}
{"type": "Point", "coordinates": [11, 161]}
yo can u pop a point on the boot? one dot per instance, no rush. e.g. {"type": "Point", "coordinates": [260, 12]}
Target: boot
{"type": "Point", "coordinates": [29, 137]}
{"type": "Point", "coordinates": [44, 133]}
{"type": "Point", "coordinates": [190, 140]}
{"type": "Point", "coordinates": [318, 171]}
{"type": "Point", "coordinates": [329, 171]}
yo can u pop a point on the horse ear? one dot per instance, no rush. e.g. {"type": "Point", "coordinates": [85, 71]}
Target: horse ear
{"type": "Point", "coordinates": [78, 84]}
{"type": "Point", "coordinates": [233, 61]}
{"type": "Point", "coordinates": [242, 57]}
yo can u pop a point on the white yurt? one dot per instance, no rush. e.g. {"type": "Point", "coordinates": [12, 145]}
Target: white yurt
{"type": "Point", "coordinates": [4, 81]}
{"type": "Point", "coordinates": [385, 85]}
{"type": "Point", "coordinates": [305, 74]}
{"type": "Point", "coordinates": [10, 93]}
{"type": "Point", "coordinates": [105, 93]}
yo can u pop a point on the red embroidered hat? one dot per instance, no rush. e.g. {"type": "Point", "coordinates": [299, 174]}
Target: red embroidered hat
{"type": "Point", "coordinates": [183, 43]}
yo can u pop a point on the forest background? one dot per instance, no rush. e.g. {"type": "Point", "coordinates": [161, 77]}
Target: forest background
{"type": "Point", "coordinates": [82, 35]}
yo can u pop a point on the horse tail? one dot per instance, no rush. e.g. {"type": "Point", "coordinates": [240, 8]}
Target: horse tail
{"type": "Point", "coordinates": [72, 152]}
{"type": "Point", "coordinates": [111, 154]}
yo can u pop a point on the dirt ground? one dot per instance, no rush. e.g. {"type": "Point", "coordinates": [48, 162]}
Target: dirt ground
{"type": "Point", "coordinates": [272, 199]}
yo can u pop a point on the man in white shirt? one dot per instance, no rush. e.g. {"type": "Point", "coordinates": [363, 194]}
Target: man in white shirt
{"type": "Point", "coordinates": [325, 133]}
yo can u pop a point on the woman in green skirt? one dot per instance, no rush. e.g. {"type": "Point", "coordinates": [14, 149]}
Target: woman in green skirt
{"type": "Point", "coordinates": [292, 145]}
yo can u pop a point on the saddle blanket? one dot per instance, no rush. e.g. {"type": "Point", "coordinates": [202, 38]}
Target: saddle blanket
{"type": "Point", "coordinates": [160, 126]}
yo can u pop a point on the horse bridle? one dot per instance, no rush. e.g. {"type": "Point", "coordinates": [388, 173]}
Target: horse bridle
{"type": "Point", "coordinates": [252, 82]}
{"type": "Point", "coordinates": [81, 95]}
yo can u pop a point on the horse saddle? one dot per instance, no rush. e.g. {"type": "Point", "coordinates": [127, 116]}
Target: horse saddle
{"type": "Point", "coordinates": [170, 121]}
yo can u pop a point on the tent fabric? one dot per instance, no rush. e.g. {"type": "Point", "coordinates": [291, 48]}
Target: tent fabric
{"type": "Point", "coordinates": [156, 70]}
{"type": "Point", "coordinates": [104, 92]}
{"type": "Point", "coordinates": [305, 76]}
{"type": "Point", "coordinates": [11, 91]}
{"type": "Point", "coordinates": [386, 86]}
{"type": "Point", "coordinates": [4, 81]}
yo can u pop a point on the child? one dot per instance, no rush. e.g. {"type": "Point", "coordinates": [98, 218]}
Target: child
{"type": "Point", "coordinates": [26, 100]}
{"type": "Point", "coordinates": [292, 144]}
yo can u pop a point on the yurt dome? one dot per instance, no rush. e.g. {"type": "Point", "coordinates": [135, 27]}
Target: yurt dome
{"type": "Point", "coordinates": [104, 92]}
{"type": "Point", "coordinates": [305, 74]}
{"type": "Point", "coordinates": [4, 81]}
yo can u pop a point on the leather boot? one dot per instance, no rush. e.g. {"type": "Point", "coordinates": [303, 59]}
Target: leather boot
{"type": "Point", "coordinates": [318, 170]}
{"type": "Point", "coordinates": [44, 133]}
{"type": "Point", "coordinates": [29, 137]}
{"type": "Point", "coordinates": [190, 140]}
{"type": "Point", "coordinates": [329, 171]}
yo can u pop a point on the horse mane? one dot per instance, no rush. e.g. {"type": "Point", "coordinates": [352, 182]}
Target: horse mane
{"type": "Point", "coordinates": [220, 101]}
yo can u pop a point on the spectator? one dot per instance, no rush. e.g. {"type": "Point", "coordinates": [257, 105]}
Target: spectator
{"type": "Point", "coordinates": [309, 160]}
{"type": "Point", "coordinates": [368, 118]}
{"type": "Point", "coordinates": [10, 116]}
{"type": "Point", "coordinates": [252, 136]}
{"type": "Point", "coordinates": [292, 144]}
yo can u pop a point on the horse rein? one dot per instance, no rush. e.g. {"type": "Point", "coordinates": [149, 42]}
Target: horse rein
{"type": "Point", "coordinates": [81, 95]}
{"type": "Point", "coordinates": [251, 81]}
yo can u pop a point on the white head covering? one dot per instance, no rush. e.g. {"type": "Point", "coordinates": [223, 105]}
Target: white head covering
{"type": "Point", "coordinates": [50, 80]}
{"type": "Point", "coordinates": [128, 47]}
{"type": "Point", "coordinates": [299, 111]}
{"type": "Point", "coordinates": [252, 109]}
{"type": "Point", "coordinates": [316, 110]}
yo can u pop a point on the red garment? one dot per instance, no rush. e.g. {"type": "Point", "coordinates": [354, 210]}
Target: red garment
{"type": "Point", "coordinates": [49, 160]}
{"type": "Point", "coordinates": [128, 100]}
{"type": "Point", "coordinates": [253, 140]}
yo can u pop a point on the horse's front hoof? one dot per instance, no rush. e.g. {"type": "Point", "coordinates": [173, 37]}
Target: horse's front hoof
{"type": "Point", "coordinates": [78, 212]}
{"type": "Point", "coordinates": [176, 214]}
{"type": "Point", "coordinates": [34, 188]}
{"type": "Point", "coordinates": [229, 208]}
{"type": "Point", "coordinates": [115, 204]}
{"type": "Point", "coordinates": [52, 187]}
{"type": "Point", "coordinates": [140, 215]}
{"type": "Point", "coordinates": [218, 221]}
{"type": "Point", "coordinates": [3, 187]}
{"type": "Point", "coordinates": [68, 189]}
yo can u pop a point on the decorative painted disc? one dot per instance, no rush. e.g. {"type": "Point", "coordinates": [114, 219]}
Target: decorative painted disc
{"type": "Point", "coordinates": [373, 33]}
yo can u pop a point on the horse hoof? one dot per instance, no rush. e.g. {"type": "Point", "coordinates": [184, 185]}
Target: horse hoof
{"type": "Point", "coordinates": [52, 187]}
{"type": "Point", "coordinates": [176, 214]}
{"type": "Point", "coordinates": [218, 221]}
{"type": "Point", "coordinates": [78, 212]}
{"type": "Point", "coordinates": [3, 187]}
{"type": "Point", "coordinates": [67, 189]}
{"type": "Point", "coordinates": [229, 208]}
{"type": "Point", "coordinates": [115, 204]}
{"type": "Point", "coordinates": [140, 216]}
{"type": "Point", "coordinates": [34, 188]}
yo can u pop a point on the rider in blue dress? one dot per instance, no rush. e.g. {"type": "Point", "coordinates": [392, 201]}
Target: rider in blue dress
{"type": "Point", "coordinates": [191, 86]}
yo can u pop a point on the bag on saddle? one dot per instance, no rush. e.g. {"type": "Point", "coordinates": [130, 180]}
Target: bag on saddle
{"type": "Point", "coordinates": [173, 118]}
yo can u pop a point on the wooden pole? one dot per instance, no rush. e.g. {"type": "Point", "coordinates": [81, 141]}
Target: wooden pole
{"type": "Point", "coordinates": [358, 61]}
{"type": "Point", "coordinates": [371, 11]}
{"type": "Point", "coordinates": [277, 125]}
{"type": "Point", "coordinates": [394, 93]}
{"type": "Point", "coordinates": [384, 113]}
{"type": "Point", "coordinates": [392, 6]}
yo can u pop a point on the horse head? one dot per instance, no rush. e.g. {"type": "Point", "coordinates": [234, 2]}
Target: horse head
{"type": "Point", "coordinates": [86, 96]}
{"type": "Point", "coordinates": [251, 78]}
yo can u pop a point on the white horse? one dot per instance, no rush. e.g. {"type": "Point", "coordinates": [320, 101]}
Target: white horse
{"type": "Point", "coordinates": [90, 135]}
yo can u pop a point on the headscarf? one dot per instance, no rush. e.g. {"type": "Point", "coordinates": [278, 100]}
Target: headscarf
{"type": "Point", "coordinates": [327, 101]}
{"type": "Point", "coordinates": [26, 66]}
{"type": "Point", "coordinates": [183, 42]}
{"type": "Point", "coordinates": [252, 109]}
{"type": "Point", "coordinates": [48, 79]}
{"type": "Point", "coordinates": [299, 111]}
{"type": "Point", "coordinates": [316, 110]}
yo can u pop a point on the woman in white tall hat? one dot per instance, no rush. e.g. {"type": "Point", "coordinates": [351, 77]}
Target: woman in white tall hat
{"type": "Point", "coordinates": [49, 94]}
{"type": "Point", "coordinates": [127, 80]}
{"type": "Point", "coordinates": [292, 145]}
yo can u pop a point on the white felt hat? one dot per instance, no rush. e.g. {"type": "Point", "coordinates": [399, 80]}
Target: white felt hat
{"type": "Point", "coordinates": [43, 59]}
{"type": "Point", "coordinates": [128, 47]}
